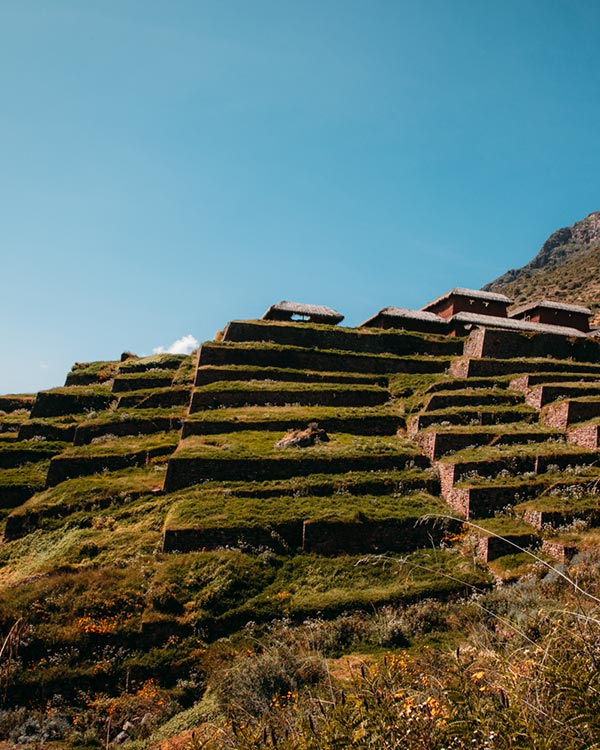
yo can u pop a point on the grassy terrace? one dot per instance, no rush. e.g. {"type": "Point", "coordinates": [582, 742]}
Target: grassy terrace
{"type": "Point", "coordinates": [110, 454]}
{"type": "Point", "coordinates": [71, 400]}
{"type": "Point", "coordinates": [501, 526]}
{"type": "Point", "coordinates": [489, 366]}
{"type": "Point", "coordinates": [86, 373]}
{"type": "Point", "coordinates": [264, 354]}
{"type": "Point", "coordinates": [472, 415]}
{"type": "Point", "coordinates": [510, 428]}
{"type": "Point", "coordinates": [334, 337]}
{"type": "Point", "coordinates": [214, 509]}
{"type": "Point", "coordinates": [16, 453]}
{"type": "Point", "coordinates": [568, 502]}
{"type": "Point", "coordinates": [549, 480]}
{"type": "Point", "coordinates": [122, 446]}
{"type": "Point", "coordinates": [12, 421]}
{"type": "Point", "coordinates": [131, 381]}
{"type": "Point", "coordinates": [212, 374]}
{"type": "Point", "coordinates": [18, 484]}
{"type": "Point", "coordinates": [155, 398]}
{"type": "Point", "coordinates": [471, 397]}
{"type": "Point", "coordinates": [391, 482]}
{"type": "Point", "coordinates": [156, 361]}
{"type": "Point", "coordinates": [16, 401]}
{"type": "Point", "coordinates": [264, 392]}
{"type": "Point", "coordinates": [122, 422]}
{"type": "Point", "coordinates": [186, 373]}
{"type": "Point", "coordinates": [384, 419]}
{"type": "Point", "coordinates": [306, 584]}
{"type": "Point", "coordinates": [495, 452]}
{"type": "Point", "coordinates": [261, 444]}
{"type": "Point", "coordinates": [252, 455]}
{"type": "Point", "coordinates": [74, 496]}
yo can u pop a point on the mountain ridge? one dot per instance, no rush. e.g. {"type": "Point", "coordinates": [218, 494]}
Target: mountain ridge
{"type": "Point", "coordinates": [565, 268]}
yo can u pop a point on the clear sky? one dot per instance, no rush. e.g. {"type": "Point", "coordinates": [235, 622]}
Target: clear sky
{"type": "Point", "coordinates": [168, 166]}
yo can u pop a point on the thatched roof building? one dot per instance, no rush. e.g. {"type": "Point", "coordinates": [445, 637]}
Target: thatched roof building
{"type": "Point", "coordinates": [459, 300]}
{"type": "Point", "coordinates": [408, 320]}
{"type": "Point", "coordinates": [554, 313]}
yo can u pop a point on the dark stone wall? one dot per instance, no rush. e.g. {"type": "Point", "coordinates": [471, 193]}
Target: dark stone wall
{"type": "Point", "coordinates": [184, 472]}
{"type": "Point", "coordinates": [488, 342]}
{"type": "Point", "coordinates": [367, 340]}
{"type": "Point", "coordinates": [329, 361]}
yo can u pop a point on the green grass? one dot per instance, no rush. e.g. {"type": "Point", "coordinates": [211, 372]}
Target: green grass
{"type": "Point", "coordinates": [216, 509]}
{"type": "Point", "coordinates": [493, 452]}
{"type": "Point", "coordinates": [502, 526]}
{"type": "Point", "coordinates": [156, 361]}
{"type": "Point", "coordinates": [353, 482]}
{"type": "Point", "coordinates": [252, 444]}
{"type": "Point", "coordinates": [307, 584]}
{"type": "Point", "coordinates": [111, 446]}
{"type": "Point", "coordinates": [145, 375]}
{"type": "Point", "coordinates": [251, 386]}
{"type": "Point", "coordinates": [91, 389]}
{"type": "Point", "coordinates": [284, 374]}
{"type": "Point", "coordinates": [562, 502]}
{"type": "Point", "coordinates": [186, 372]}
{"type": "Point", "coordinates": [138, 415]}
{"type": "Point", "coordinates": [88, 372]}
{"type": "Point", "coordinates": [89, 492]}
{"type": "Point", "coordinates": [295, 416]}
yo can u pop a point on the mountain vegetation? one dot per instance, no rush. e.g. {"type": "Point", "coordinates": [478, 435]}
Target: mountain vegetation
{"type": "Point", "coordinates": [422, 573]}
{"type": "Point", "coordinates": [567, 268]}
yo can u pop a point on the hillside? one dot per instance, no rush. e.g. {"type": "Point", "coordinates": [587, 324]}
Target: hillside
{"type": "Point", "coordinates": [566, 268]}
{"type": "Point", "coordinates": [168, 567]}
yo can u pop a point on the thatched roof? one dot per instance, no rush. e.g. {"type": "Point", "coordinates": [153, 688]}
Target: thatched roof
{"type": "Point", "coordinates": [473, 293]}
{"type": "Point", "coordinates": [312, 313]}
{"type": "Point", "coordinates": [512, 324]}
{"type": "Point", "coordinates": [549, 304]}
{"type": "Point", "coordinates": [402, 313]}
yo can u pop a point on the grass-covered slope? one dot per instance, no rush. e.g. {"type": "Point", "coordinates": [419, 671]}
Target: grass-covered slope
{"type": "Point", "coordinates": [166, 567]}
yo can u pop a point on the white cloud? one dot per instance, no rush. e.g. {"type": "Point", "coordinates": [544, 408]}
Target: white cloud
{"type": "Point", "coordinates": [184, 345]}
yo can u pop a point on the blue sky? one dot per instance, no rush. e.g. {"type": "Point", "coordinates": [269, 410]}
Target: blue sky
{"type": "Point", "coordinates": [169, 166]}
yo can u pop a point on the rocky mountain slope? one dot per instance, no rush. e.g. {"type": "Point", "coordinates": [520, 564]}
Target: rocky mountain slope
{"type": "Point", "coordinates": [567, 268]}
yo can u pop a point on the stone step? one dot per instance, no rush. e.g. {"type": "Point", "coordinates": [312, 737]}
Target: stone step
{"type": "Point", "coordinates": [440, 442]}
{"type": "Point", "coordinates": [586, 435]}
{"type": "Point", "coordinates": [367, 340]}
{"type": "Point", "coordinates": [298, 358]}
{"type": "Point", "coordinates": [263, 393]}
{"type": "Point", "coordinates": [71, 400]}
{"type": "Point", "coordinates": [142, 422]}
{"type": "Point", "coordinates": [467, 367]}
{"type": "Point", "coordinates": [350, 525]}
{"type": "Point", "coordinates": [16, 402]}
{"type": "Point", "coordinates": [484, 416]}
{"type": "Point", "coordinates": [456, 398]}
{"type": "Point", "coordinates": [511, 461]}
{"type": "Point", "coordinates": [112, 455]}
{"type": "Point", "coordinates": [48, 429]}
{"type": "Point", "coordinates": [461, 384]}
{"type": "Point", "coordinates": [16, 453]}
{"type": "Point", "coordinates": [505, 344]}
{"type": "Point", "coordinates": [562, 414]}
{"type": "Point", "coordinates": [357, 421]}
{"type": "Point", "coordinates": [485, 498]}
{"type": "Point", "coordinates": [540, 395]}
{"type": "Point", "coordinates": [136, 381]}
{"type": "Point", "coordinates": [210, 374]}
{"type": "Point", "coordinates": [525, 382]}
{"type": "Point", "coordinates": [158, 398]}
{"type": "Point", "coordinates": [253, 456]}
